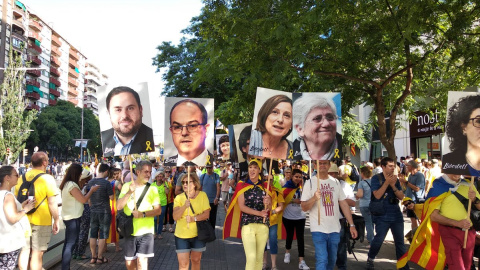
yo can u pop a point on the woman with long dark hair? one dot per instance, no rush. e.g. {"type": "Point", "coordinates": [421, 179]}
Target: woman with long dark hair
{"type": "Point", "coordinates": [73, 200]}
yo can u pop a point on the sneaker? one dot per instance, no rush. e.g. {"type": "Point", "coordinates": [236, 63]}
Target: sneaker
{"type": "Point", "coordinates": [370, 265]}
{"type": "Point", "coordinates": [287, 258]}
{"type": "Point", "coordinates": [303, 266]}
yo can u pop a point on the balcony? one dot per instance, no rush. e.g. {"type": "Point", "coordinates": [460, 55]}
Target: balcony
{"type": "Point", "coordinates": [18, 22]}
{"type": "Point", "coordinates": [33, 107]}
{"type": "Point", "coordinates": [56, 41]}
{"type": "Point", "coordinates": [54, 61]}
{"type": "Point", "coordinates": [73, 82]}
{"type": "Point", "coordinates": [72, 73]}
{"type": "Point", "coordinates": [33, 95]}
{"type": "Point", "coordinates": [35, 73]}
{"type": "Point", "coordinates": [34, 49]}
{"type": "Point", "coordinates": [54, 92]}
{"type": "Point", "coordinates": [18, 11]}
{"type": "Point", "coordinates": [52, 102]}
{"type": "Point", "coordinates": [34, 35]}
{"type": "Point", "coordinates": [73, 100]}
{"type": "Point", "coordinates": [72, 91]}
{"type": "Point", "coordinates": [56, 51]}
{"type": "Point", "coordinates": [35, 25]}
{"type": "Point", "coordinates": [34, 60]}
{"type": "Point", "coordinates": [73, 63]}
{"type": "Point", "coordinates": [34, 83]}
{"type": "Point", "coordinates": [91, 87]}
{"type": "Point", "coordinates": [54, 72]}
{"type": "Point", "coordinates": [93, 79]}
{"type": "Point", "coordinates": [74, 54]}
{"type": "Point", "coordinates": [55, 81]}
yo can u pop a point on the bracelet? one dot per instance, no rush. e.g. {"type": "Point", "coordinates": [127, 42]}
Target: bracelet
{"type": "Point", "coordinates": [352, 225]}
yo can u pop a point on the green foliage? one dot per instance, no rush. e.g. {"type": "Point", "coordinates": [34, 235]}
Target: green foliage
{"type": "Point", "coordinates": [14, 120]}
{"type": "Point", "coordinates": [354, 132]}
{"type": "Point", "coordinates": [58, 126]}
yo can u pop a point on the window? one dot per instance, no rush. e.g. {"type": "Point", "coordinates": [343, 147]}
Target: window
{"type": "Point", "coordinates": [43, 83]}
{"type": "Point", "coordinates": [44, 61]}
{"type": "Point", "coordinates": [45, 73]}
{"type": "Point", "coordinates": [17, 43]}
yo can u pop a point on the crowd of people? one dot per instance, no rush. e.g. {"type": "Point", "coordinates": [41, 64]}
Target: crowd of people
{"type": "Point", "coordinates": [274, 202]}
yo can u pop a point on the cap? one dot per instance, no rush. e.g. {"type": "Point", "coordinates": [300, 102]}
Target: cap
{"type": "Point", "coordinates": [369, 164]}
{"type": "Point", "coordinates": [418, 160]}
{"type": "Point", "coordinates": [209, 165]}
{"type": "Point", "coordinates": [435, 161]}
{"type": "Point", "coordinates": [406, 199]}
{"type": "Point", "coordinates": [85, 174]}
{"type": "Point", "coordinates": [333, 168]}
{"type": "Point", "coordinates": [229, 163]}
{"type": "Point", "coordinates": [256, 161]}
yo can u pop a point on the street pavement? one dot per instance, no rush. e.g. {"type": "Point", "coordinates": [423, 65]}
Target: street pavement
{"type": "Point", "coordinates": [228, 254]}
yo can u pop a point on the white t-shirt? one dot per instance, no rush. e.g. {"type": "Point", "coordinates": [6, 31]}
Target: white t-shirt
{"type": "Point", "coordinates": [332, 193]}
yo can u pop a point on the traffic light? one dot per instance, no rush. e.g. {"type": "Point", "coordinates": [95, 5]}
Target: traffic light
{"type": "Point", "coordinates": [25, 152]}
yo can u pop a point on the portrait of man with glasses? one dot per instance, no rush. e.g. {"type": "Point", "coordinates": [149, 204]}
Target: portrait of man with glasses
{"type": "Point", "coordinates": [189, 129]}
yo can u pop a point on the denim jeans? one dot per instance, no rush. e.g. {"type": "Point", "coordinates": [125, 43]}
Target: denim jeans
{"type": "Point", "coordinates": [342, 249]}
{"type": "Point", "coordinates": [272, 239]}
{"type": "Point", "coordinates": [72, 229]}
{"type": "Point", "coordinates": [368, 222]}
{"type": "Point", "coordinates": [381, 228]}
{"type": "Point", "coordinates": [159, 219]}
{"type": "Point", "coordinates": [326, 246]}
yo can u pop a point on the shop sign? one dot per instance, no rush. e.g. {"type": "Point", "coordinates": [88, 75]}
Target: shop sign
{"type": "Point", "coordinates": [424, 125]}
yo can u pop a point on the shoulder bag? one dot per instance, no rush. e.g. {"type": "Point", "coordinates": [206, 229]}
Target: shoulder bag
{"type": "Point", "coordinates": [376, 206]}
{"type": "Point", "coordinates": [474, 212]}
{"type": "Point", "coordinates": [124, 222]}
{"type": "Point", "coordinates": [205, 231]}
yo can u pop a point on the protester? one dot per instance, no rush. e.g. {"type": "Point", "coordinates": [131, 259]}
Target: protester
{"type": "Point", "coordinates": [162, 189]}
{"type": "Point", "coordinates": [139, 245]}
{"type": "Point", "coordinates": [287, 173]}
{"type": "Point", "coordinates": [378, 167]}
{"type": "Point", "coordinates": [14, 224]}
{"type": "Point", "coordinates": [72, 201]}
{"type": "Point", "coordinates": [40, 220]}
{"type": "Point", "coordinates": [415, 189]}
{"type": "Point", "coordinates": [191, 206]}
{"type": "Point", "coordinates": [100, 214]}
{"type": "Point", "coordinates": [275, 220]}
{"type": "Point", "coordinates": [82, 239]}
{"type": "Point", "coordinates": [330, 197]}
{"type": "Point", "coordinates": [210, 183]}
{"type": "Point", "coordinates": [364, 195]}
{"type": "Point", "coordinates": [225, 184]}
{"type": "Point", "coordinates": [116, 186]}
{"type": "Point", "coordinates": [387, 186]}
{"type": "Point", "coordinates": [293, 217]}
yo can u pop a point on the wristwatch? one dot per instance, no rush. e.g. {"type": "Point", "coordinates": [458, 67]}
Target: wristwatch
{"type": "Point", "coordinates": [352, 225]}
{"type": "Point", "coordinates": [195, 218]}
{"type": "Point", "coordinates": [274, 212]}
{"type": "Point", "coordinates": [144, 214]}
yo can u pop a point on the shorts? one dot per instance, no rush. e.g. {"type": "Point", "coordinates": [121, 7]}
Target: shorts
{"type": "Point", "coordinates": [139, 247]}
{"type": "Point", "coordinates": [40, 238]}
{"type": "Point", "coordinates": [185, 245]}
{"type": "Point", "coordinates": [225, 196]}
{"type": "Point", "coordinates": [411, 214]}
{"type": "Point", "coordinates": [100, 225]}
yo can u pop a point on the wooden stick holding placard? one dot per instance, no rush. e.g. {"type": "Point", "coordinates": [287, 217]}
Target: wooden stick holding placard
{"type": "Point", "coordinates": [133, 181]}
{"type": "Point", "coordinates": [188, 194]}
{"type": "Point", "coordinates": [268, 184]}
{"type": "Point", "coordinates": [318, 186]}
{"type": "Point", "coordinates": [468, 213]}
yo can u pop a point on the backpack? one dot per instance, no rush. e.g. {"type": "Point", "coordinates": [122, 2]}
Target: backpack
{"type": "Point", "coordinates": [27, 189]}
{"type": "Point", "coordinates": [354, 175]}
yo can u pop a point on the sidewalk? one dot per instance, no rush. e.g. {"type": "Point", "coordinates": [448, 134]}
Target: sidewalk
{"type": "Point", "coordinates": [229, 254]}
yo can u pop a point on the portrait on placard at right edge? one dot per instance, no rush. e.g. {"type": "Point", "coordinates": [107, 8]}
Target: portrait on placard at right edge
{"type": "Point", "coordinates": [317, 126]}
{"type": "Point", "coordinates": [461, 155]}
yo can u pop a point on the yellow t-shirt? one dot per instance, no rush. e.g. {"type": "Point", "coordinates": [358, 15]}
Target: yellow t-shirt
{"type": "Point", "coordinates": [277, 197]}
{"type": "Point", "coordinates": [45, 187]}
{"type": "Point", "coordinates": [452, 208]}
{"type": "Point", "coordinates": [200, 204]}
{"type": "Point", "coordinates": [348, 170]}
{"type": "Point", "coordinates": [142, 225]}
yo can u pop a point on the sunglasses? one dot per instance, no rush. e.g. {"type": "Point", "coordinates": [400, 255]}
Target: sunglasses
{"type": "Point", "coordinates": [167, 171]}
{"type": "Point", "coordinates": [408, 203]}
{"type": "Point", "coordinates": [185, 182]}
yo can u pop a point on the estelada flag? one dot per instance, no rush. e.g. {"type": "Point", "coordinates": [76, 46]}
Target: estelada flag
{"type": "Point", "coordinates": [232, 226]}
{"type": "Point", "coordinates": [427, 248]}
{"type": "Point", "coordinates": [288, 194]}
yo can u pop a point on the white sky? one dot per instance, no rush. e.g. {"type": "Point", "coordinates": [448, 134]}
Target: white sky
{"type": "Point", "coordinates": [119, 36]}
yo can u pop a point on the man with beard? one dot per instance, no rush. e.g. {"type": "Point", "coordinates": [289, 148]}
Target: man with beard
{"type": "Point", "coordinates": [128, 135]}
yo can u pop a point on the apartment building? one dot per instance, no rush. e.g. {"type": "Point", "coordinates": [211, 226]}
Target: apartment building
{"type": "Point", "coordinates": [62, 67]}
{"type": "Point", "coordinates": [93, 79]}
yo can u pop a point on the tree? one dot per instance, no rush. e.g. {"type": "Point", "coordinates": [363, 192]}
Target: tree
{"type": "Point", "coordinates": [58, 126]}
{"type": "Point", "coordinates": [397, 56]}
{"type": "Point", "coordinates": [14, 120]}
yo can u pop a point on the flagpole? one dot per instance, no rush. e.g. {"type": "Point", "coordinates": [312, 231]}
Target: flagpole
{"type": "Point", "coordinates": [468, 214]}
{"type": "Point", "coordinates": [318, 186]}
{"type": "Point", "coordinates": [188, 194]}
{"type": "Point", "coordinates": [268, 184]}
{"type": "Point", "coordinates": [133, 181]}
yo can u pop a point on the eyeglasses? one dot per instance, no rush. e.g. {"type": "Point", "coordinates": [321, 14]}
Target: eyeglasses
{"type": "Point", "coordinates": [319, 118]}
{"type": "Point", "coordinates": [184, 183]}
{"type": "Point", "coordinates": [168, 172]}
{"type": "Point", "coordinates": [176, 129]}
{"type": "Point", "coordinates": [408, 203]}
{"type": "Point", "coordinates": [475, 122]}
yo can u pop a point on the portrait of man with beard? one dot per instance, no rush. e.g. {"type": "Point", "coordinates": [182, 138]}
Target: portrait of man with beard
{"type": "Point", "coordinates": [128, 134]}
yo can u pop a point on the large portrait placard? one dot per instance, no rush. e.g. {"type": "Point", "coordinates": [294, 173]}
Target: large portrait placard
{"type": "Point", "coordinates": [125, 121]}
{"type": "Point", "coordinates": [189, 131]}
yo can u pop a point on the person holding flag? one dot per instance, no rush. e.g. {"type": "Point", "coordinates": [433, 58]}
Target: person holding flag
{"type": "Point", "coordinates": [247, 215]}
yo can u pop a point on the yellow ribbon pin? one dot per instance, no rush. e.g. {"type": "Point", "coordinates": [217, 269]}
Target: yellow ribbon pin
{"type": "Point", "coordinates": [148, 146]}
{"type": "Point", "coordinates": [336, 153]}
{"type": "Point", "coordinates": [208, 160]}
{"type": "Point", "coordinates": [290, 155]}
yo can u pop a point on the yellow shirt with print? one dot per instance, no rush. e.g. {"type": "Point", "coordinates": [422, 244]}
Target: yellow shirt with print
{"type": "Point", "coordinates": [142, 225]}
{"type": "Point", "coordinates": [199, 204]}
{"type": "Point", "coordinates": [452, 208]}
{"type": "Point", "coordinates": [45, 187]}
{"type": "Point", "coordinates": [277, 197]}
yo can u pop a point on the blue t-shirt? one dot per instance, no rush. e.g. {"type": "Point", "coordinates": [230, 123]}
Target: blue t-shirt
{"type": "Point", "coordinates": [392, 211]}
{"type": "Point", "coordinates": [209, 185]}
{"type": "Point", "coordinates": [367, 192]}
{"type": "Point", "coordinates": [417, 179]}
